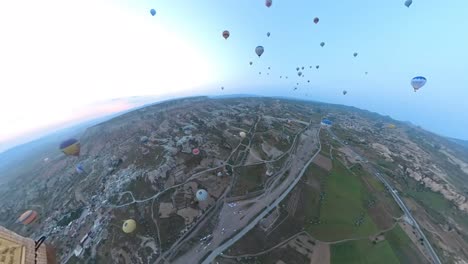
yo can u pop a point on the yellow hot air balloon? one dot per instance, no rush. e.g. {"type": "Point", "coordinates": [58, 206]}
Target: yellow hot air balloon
{"type": "Point", "coordinates": [391, 126]}
{"type": "Point", "coordinates": [129, 226]}
{"type": "Point", "coordinates": [70, 147]}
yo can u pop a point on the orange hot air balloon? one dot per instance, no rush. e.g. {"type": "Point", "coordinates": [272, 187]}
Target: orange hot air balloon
{"type": "Point", "coordinates": [226, 34]}
{"type": "Point", "coordinates": [27, 217]}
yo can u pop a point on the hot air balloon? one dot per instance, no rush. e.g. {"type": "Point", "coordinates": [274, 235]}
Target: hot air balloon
{"type": "Point", "coordinates": [391, 126]}
{"type": "Point", "coordinates": [318, 66]}
{"type": "Point", "coordinates": [418, 82]}
{"type": "Point", "coordinates": [259, 72]}
{"type": "Point", "coordinates": [129, 226]}
{"type": "Point", "coordinates": [295, 88]}
{"type": "Point", "coordinates": [297, 83]}
{"type": "Point", "coordinates": [345, 92]}
{"type": "Point", "coordinates": [269, 68]}
{"type": "Point", "coordinates": [153, 12]}
{"type": "Point", "coordinates": [355, 54]}
{"type": "Point", "coordinates": [222, 87]}
{"type": "Point", "coordinates": [308, 81]}
{"type": "Point", "coordinates": [310, 67]}
{"type": "Point", "coordinates": [27, 217]}
{"type": "Point", "coordinates": [201, 195]}
{"type": "Point", "coordinates": [302, 68]}
{"type": "Point", "coordinates": [250, 63]}
{"type": "Point", "coordinates": [286, 77]}
{"type": "Point", "coordinates": [297, 69]}
{"type": "Point", "coordinates": [322, 44]}
{"type": "Point", "coordinates": [195, 151]}
{"type": "Point", "coordinates": [268, 3]}
{"type": "Point", "coordinates": [366, 73]}
{"type": "Point", "coordinates": [79, 168]}
{"type": "Point", "coordinates": [316, 20]}
{"type": "Point", "coordinates": [408, 3]}
{"type": "Point", "coordinates": [226, 34]}
{"type": "Point", "coordinates": [259, 51]}
{"type": "Point", "coordinates": [242, 134]}
{"type": "Point", "coordinates": [268, 34]}
{"type": "Point", "coordinates": [70, 147]}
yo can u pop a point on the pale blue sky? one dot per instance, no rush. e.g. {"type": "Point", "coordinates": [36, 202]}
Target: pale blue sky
{"type": "Point", "coordinates": [65, 55]}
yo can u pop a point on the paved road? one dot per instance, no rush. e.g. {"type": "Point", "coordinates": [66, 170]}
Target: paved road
{"type": "Point", "coordinates": [252, 224]}
{"type": "Point", "coordinates": [402, 205]}
{"type": "Point", "coordinates": [396, 197]}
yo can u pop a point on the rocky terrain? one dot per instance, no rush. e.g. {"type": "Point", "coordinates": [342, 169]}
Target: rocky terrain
{"type": "Point", "coordinates": [142, 166]}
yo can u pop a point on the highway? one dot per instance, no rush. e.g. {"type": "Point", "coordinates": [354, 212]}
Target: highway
{"type": "Point", "coordinates": [399, 201]}
{"type": "Point", "coordinates": [402, 205]}
{"type": "Point", "coordinates": [252, 224]}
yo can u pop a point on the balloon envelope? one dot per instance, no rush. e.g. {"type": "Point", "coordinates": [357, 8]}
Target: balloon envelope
{"type": "Point", "coordinates": [242, 134]}
{"type": "Point", "coordinates": [268, 3]}
{"type": "Point", "coordinates": [201, 195]}
{"type": "Point", "coordinates": [418, 82]}
{"type": "Point", "coordinates": [268, 34]}
{"type": "Point", "coordinates": [129, 226]}
{"type": "Point", "coordinates": [408, 3]}
{"type": "Point", "coordinates": [226, 34]}
{"type": "Point", "coordinates": [27, 217]}
{"type": "Point", "coordinates": [259, 50]}
{"type": "Point", "coordinates": [153, 12]}
{"type": "Point", "coordinates": [70, 147]}
{"type": "Point", "coordinates": [316, 20]}
{"type": "Point", "coordinates": [322, 44]}
{"type": "Point", "coordinates": [355, 54]}
{"type": "Point", "coordinates": [195, 151]}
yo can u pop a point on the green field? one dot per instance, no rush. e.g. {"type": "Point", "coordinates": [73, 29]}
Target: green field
{"type": "Point", "coordinates": [362, 251]}
{"type": "Point", "coordinates": [250, 179]}
{"type": "Point", "coordinates": [430, 199]}
{"type": "Point", "coordinates": [344, 203]}
{"type": "Point", "coordinates": [402, 246]}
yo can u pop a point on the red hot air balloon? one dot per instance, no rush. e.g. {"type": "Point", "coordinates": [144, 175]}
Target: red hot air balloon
{"type": "Point", "coordinates": [226, 34]}
{"type": "Point", "coordinates": [195, 151]}
{"type": "Point", "coordinates": [268, 3]}
{"type": "Point", "coordinates": [316, 20]}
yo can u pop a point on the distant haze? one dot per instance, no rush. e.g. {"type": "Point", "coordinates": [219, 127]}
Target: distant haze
{"type": "Point", "coordinates": [61, 62]}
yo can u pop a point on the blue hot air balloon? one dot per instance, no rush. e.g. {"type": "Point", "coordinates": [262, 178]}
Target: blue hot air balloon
{"type": "Point", "coordinates": [418, 82]}
{"type": "Point", "coordinates": [79, 168]}
{"type": "Point", "coordinates": [153, 12]}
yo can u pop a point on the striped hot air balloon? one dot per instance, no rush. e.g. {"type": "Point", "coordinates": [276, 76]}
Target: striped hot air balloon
{"type": "Point", "coordinates": [70, 147]}
{"type": "Point", "coordinates": [27, 217]}
{"type": "Point", "coordinates": [418, 82]}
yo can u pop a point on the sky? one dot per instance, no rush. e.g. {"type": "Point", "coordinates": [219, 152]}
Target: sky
{"type": "Point", "coordinates": [60, 59]}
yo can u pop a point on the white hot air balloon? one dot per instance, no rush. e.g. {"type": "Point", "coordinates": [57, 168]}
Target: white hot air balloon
{"type": "Point", "coordinates": [242, 134]}
{"type": "Point", "coordinates": [418, 82]}
{"type": "Point", "coordinates": [201, 195]}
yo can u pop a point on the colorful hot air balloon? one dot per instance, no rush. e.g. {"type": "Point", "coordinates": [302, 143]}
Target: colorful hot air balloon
{"type": "Point", "coordinates": [408, 3]}
{"type": "Point", "coordinates": [418, 82]}
{"type": "Point", "coordinates": [355, 54]}
{"type": "Point", "coordinates": [316, 20]}
{"type": "Point", "coordinates": [153, 12]}
{"type": "Point", "coordinates": [195, 151]}
{"type": "Point", "coordinates": [27, 217]}
{"type": "Point", "coordinates": [129, 226]}
{"type": "Point", "coordinates": [268, 34]}
{"type": "Point", "coordinates": [201, 195]}
{"type": "Point", "coordinates": [226, 34]}
{"type": "Point", "coordinates": [70, 147]}
{"type": "Point", "coordinates": [322, 44]}
{"type": "Point", "coordinates": [259, 51]}
{"type": "Point", "coordinates": [268, 3]}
